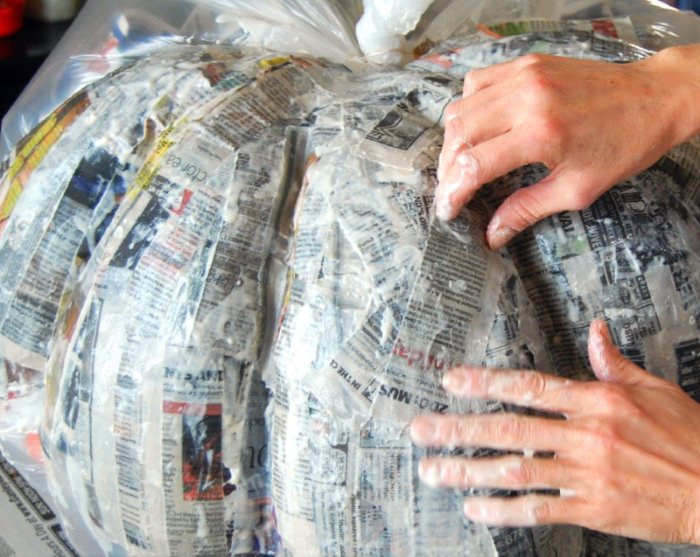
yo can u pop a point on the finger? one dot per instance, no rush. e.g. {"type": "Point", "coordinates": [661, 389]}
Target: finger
{"type": "Point", "coordinates": [478, 165]}
{"type": "Point", "coordinates": [527, 510]}
{"type": "Point", "coordinates": [472, 121]}
{"type": "Point", "coordinates": [529, 205]}
{"type": "Point", "coordinates": [510, 472]}
{"type": "Point", "coordinates": [496, 431]}
{"type": "Point", "coordinates": [533, 389]}
{"type": "Point", "coordinates": [481, 78]}
{"type": "Point", "coordinates": [608, 363]}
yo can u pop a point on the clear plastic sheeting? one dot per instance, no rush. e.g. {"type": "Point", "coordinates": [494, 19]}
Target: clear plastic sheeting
{"type": "Point", "coordinates": [293, 26]}
{"type": "Point", "coordinates": [226, 295]}
{"type": "Point", "coordinates": [106, 35]}
{"type": "Point", "coordinates": [111, 33]}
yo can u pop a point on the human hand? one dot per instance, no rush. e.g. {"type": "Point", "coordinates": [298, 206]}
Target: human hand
{"type": "Point", "coordinates": [591, 123]}
{"type": "Point", "coordinates": [627, 454]}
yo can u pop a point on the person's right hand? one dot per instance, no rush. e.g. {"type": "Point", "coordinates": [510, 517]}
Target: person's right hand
{"type": "Point", "coordinates": [592, 124]}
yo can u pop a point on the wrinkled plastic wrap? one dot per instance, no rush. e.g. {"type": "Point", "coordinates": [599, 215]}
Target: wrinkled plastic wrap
{"type": "Point", "coordinates": [110, 33]}
{"type": "Point", "coordinates": [225, 293]}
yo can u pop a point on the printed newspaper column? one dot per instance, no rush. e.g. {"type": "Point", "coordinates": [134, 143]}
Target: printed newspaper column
{"type": "Point", "coordinates": [159, 255]}
{"type": "Point", "coordinates": [281, 96]}
{"type": "Point", "coordinates": [192, 452]}
{"type": "Point", "coordinates": [457, 287]}
{"type": "Point", "coordinates": [310, 478]}
{"type": "Point", "coordinates": [81, 203]}
{"type": "Point", "coordinates": [378, 252]}
{"type": "Point", "coordinates": [165, 241]}
{"type": "Point", "coordinates": [239, 306]}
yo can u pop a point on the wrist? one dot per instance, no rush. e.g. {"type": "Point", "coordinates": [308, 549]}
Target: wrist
{"type": "Point", "coordinates": [676, 75]}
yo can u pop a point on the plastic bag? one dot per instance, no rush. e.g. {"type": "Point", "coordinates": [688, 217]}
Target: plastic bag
{"type": "Point", "coordinates": [192, 406]}
{"type": "Point", "coordinates": [120, 29]}
{"type": "Point", "coordinates": [239, 302]}
{"type": "Point", "coordinates": [391, 33]}
{"type": "Point", "coordinates": [105, 35]}
{"type": "Point", "coordinates": [295, 26]}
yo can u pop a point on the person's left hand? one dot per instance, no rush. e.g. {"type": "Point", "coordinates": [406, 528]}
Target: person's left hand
{"type": "Point", "coordinates": [627, 454]}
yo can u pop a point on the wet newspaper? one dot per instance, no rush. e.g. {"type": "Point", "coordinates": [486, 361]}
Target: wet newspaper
{"type": "Point", "coordinates": [30, 526]}
{"type": "Point", "coordinates": [154, 379]}
{"type": "Point", "coordinates": [381, 299]}
{"type": "Point", "coordinates": [67, 180]}
{"type": "Point", "coordinates": [233, 366]}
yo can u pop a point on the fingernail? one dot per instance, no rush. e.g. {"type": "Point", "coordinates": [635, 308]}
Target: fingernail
{"type": "Point", "coordinates": [430, 473]}
{"type": "Point", "coordinates": [451, 115]}
{"type": "Point", "coordinates": [498, 235]}
{"type": "Point", "coordinates": [567, 492]}
{"type": "Point", "coordinates": [460, 175]}
{"type": "Point", "coordinates": [455, 382]}
{"type": "Point", "coordinates": [422, 430]}
{"type": "Point", "coordinates": [444, 209]}
{"type": "Point", "coordinates": [456, 146]}
{"type": "Point", "coordinates": [596, 351]}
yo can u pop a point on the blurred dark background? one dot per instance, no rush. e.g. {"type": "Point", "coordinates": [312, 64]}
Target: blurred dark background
{"type": "Point", "coordinates": [22, 53]}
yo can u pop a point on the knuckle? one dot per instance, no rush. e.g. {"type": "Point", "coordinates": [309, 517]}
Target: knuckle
{"type": "Point", "coordinates": [452, 112]}
{"type": "Point", "coordinates": [473, 167]}
{"type": "Point", "coordinates": [614, 400]}
{"type": "Point", "coordinates": [514, 429]}
{"type": "Point", "coordinates": [579, 197]}
{"type": "Point", "coordinates": [456, 432]}
{"type": "Point", "coordinates": [470, 83]}
{"type": "Point", "coordinates": [604, 438]}
{"type": "Point", "coordinates": [462, 474]}
{"type": "Point", "coordinates": [532, 60]}
{"type": "Point", "coordinates": [526, 207]}
{"type": "Point", "coordinates": [541, 511]}
{"type": "Point", "coordinates": [519, 475]}
{"type": "Point", "coordinates": [539, 85]}
{"type": "Point", "coordinates": [533, 385]}
{"type": "Point", "coordinates": [549, 128]}
{"type": "Point", "coordinates": [604, 482]}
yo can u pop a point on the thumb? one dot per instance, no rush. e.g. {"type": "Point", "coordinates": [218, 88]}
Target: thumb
{"type": "Point", "coordinates": [609, 365]}
{"type": "Point", "coordinates": [531, 204]}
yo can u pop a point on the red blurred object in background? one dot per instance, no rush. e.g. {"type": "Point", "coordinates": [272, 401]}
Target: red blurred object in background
{"type": "Point", "coordinates": [11, 15]}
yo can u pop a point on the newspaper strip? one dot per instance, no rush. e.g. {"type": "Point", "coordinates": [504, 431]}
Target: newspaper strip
{"type": "Point", "coordinates": [30, 527]}
{"type": "Point", "coordinates": [194, 239]}
{"type": "Point", "coordinates": [80, 183]}
{"type": "Point", "coordinates": [161, 437]}
{"type": "Point", "coordinates": [387, 349]}
{"type": "Point", "coordinates": [456, 59]}
{"type": "Point", "coordinates": [624, 258]}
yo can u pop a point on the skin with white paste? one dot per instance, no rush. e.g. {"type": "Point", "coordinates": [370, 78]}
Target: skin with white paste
{"type": "Point", "coordinates": [591, 123]}
{"type": "Point", "coordinates": [626, 453]}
